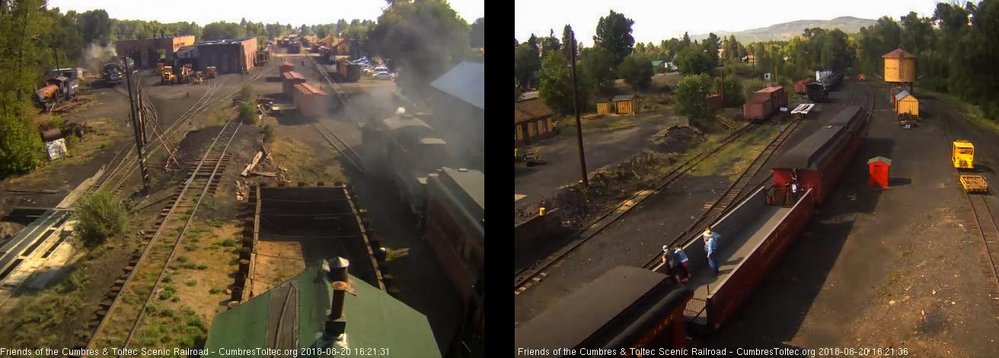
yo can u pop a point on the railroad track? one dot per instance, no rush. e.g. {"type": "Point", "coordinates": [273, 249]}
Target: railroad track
{"type": "Point", "coordinates": [533, 274]}
{"type": "Point", "coordinates": [328, 134]}
{"type": "Point", "coordinates": [733, 193]}
{"type": "Point", "coordinates": [122, 168]}
{"type": "Point", "coordinates": [349, 154]}
{"type": "Point", "coordinates": [737, 190]}
{"type": "Point", "coordinates": [146, 269]}
{"type": "Point", "coordinates": [988, 228]}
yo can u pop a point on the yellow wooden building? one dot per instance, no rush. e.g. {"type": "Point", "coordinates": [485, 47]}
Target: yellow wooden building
{"type": "Point", "coordinates": [533, 121]}
{"type": "Point", "coordinates": [906, 103]}
{"type": "Point", "coordinates": [626, 104]}
{"type": "Point", "coordinates": [900, 66]}
{"type": "Point", "coordinates": [605, 107]}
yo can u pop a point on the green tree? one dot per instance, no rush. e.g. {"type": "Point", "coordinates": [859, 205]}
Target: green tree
{"type": "Point", "coordinates": [694, 60]}
{"type": "Point", "coordinates": [614, 34]}
{"type": "Point", "coordinates": [95, 26]}
{"type": "Point", "coordinates": [100, 215]}
{"type": "Point", "coordinates": [711, 46]}
{"type": "Point", "coordinates": [527, 62]}
{"type": "Point", "coordinates": [22, 22]}
{"type": "Point", "coordinates": [732, 89]}
{"type": "Point", "coordinates": [549, 43]}
{"type": "Point", "coordinates": [222, 30]}
{"type": "Point", "coordinates": [476, 34]}
{"type": "Point", "coordinates": [598, 66]}
{"type": "Point", "coordinates": [690, 95]}
{"type": "Point", "coordinates": [555, 84]}
{"type": "Point", "coordinates": [425, 38]}
{"type": "Point", "coordinates": [636, 70]}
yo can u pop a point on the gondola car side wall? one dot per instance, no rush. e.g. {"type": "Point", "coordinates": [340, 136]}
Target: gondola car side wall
{"type": "Point", "coordinates": [728, 295]}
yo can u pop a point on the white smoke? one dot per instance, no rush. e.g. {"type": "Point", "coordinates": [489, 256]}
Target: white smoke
{"type": "Point", "coordinates": [95, 56]}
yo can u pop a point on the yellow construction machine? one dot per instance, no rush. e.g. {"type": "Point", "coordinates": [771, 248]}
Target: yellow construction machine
{"type": "Point", "coordinates": [963, 158]}
{"type": "Point", "coordinates": [166, 75]}
{"type": "Point", "coordinates": [211, 72]}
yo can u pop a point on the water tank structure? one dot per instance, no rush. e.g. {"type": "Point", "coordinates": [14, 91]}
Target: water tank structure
{"type": "Point", "coordinates": [900, 66]}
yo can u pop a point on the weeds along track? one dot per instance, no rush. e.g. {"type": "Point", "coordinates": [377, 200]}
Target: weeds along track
{"type": "Point", "coordinates": [124, 164]}
{"type": "Point", "coordinates": [119, 318]}
{"type": "Point", "coordinates": [532, 275]}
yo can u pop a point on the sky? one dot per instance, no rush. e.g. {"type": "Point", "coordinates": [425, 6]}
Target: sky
{"type": "Point", "coordinates": [296, 12]}
{"type": "Point", "coordinates": [661, 20]}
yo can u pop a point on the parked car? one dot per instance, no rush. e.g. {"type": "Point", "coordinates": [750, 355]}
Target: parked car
{"type": "Point", "coordinates": [383, 76]}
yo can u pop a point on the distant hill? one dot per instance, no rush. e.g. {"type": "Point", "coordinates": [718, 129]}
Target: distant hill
{"type": "Point", "coordinates": [788, 30]}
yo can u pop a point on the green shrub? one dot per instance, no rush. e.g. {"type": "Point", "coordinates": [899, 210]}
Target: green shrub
{"type": "Point", "coordinates": [214, 290]}
{"type": "Point", "coordinates": [248, 113]}
{"type": "Point", "coordinates": [100, 215]}
{"type": "Point", "coordinates": [268, 133]}
{"type": "Point", "coordinates": [191, 283]}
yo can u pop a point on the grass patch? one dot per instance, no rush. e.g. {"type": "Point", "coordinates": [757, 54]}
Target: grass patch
{"type": "Point", "coordinates": [191, 283]}
{"type": "Point", "coordinates": [215, 290]}
{"type": "Point", "coordinates": [968, 111]}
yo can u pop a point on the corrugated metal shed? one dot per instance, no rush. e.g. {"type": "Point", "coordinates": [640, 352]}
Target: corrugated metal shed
{"type": "Point", "coordinates": [465, 81]}
{"type": "Point", "coordinates": [297, 310]}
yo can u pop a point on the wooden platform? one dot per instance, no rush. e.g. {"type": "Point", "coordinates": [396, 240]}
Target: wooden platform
{"type": "Point", "coordinates": [974, 184]}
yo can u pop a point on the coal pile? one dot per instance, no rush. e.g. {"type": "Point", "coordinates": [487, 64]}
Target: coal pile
{"type": "Point", "coordinates": [676, 140]}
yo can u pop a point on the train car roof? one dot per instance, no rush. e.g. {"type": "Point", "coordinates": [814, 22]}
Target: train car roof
{"type": "Point", "coordinates": [590, 309]}
{"type": "Point", "coordinates": [805, 155]}
{"type": "Point", "coordinates": [845, 116]}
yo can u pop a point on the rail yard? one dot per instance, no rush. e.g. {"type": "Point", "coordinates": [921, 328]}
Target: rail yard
{"type": "Point", "coordinates": [240, 166]}
{"type": "Point", "coordinates": [813, 234]}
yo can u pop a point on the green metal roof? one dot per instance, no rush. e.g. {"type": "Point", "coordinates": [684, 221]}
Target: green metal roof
{"type": "Point", "coordinates": [624, 97]}
{"type": "Point", "coordinates": [296, 310]}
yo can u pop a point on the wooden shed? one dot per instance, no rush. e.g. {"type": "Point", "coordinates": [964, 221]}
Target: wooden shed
{"type": "Point", "coordinates": [605, 107]}
{"type": "Point", "coordinates": [533, 121]}
{"type": "Point", "coordinates": [626, 104]}
{"type": "Point", "coordinates": [906, 103]}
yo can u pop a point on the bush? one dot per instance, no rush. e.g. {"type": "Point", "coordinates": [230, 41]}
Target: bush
{"type": "Point", "coordinates": [636, 70]}
{"type": "Point", "coordinates": [690, 96]}
{"type": "Point", "coordinates": [101, 215]}
{"type": "Point", "coordinates": [246, 94]}
{"type": "Point", "coordinates": [268, 133]}
{"type": "Point", "coordinates": [733, 92]}
{"type": "Point", "coordinates": [248, 113]}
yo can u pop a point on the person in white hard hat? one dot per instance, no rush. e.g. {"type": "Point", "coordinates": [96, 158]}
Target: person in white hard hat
{"type": "Point", "coordinates": [711, 248]}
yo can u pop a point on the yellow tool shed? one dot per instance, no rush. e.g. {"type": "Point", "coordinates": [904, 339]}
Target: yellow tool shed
{"type": "Point", "coordinates": [906, 103]}
{"type": "Point", "coordinates": [626, 104]}
{"type": "Point", "coordinates": [605, 107]}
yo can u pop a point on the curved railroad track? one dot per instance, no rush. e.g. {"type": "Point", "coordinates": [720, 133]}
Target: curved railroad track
{"type": "Point", "coordinates": [533, 274]}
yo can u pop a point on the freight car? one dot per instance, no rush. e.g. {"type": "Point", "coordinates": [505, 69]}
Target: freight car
{"type": "Point", "coordinates": [348, 71]}
{"type": "Point", "coordinates": [764, 103]}
{"type": "Point", "coordinates": [816, 92]}
{"type": "Point", "coordinates": [624, 308]}
{"type": "Point", "coordinates": [759, 229]}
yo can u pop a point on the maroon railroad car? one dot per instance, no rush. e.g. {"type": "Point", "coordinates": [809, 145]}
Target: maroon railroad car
{"type": "Point", "coordinates": [285, 67]}
{"type": "Point", "coordinates": [289, 79]}
{"type": "Point", "coordinates": [311, 101]}
{"type": "Point", "coordinates": [801, 86]}
{"type": "Point", "coordinates": [776, 95]}
{"type": "Point", "coordinates": [754, 236]}
{"type": "Point", "coordinates": [818, 162]}
{"type": "Point", "coordinates": [756, 109]}
{"type": "Point", "coordinates": [626, 307]}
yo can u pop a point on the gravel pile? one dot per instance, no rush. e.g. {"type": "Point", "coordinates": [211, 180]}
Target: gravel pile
{"type": "Point", "coordinates": [676, 140]}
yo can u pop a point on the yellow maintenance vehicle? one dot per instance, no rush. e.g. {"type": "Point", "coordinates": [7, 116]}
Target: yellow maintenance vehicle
{"type": "Point", "coordinates": [211, 72]}
{"type": "Point", "coordinates": [963, 154]}
{"type": "Point", "coordinates": [963, 158]}
{"type": "Point", "coordinates": [166, 75]}
{"type": "Point", "coordinates": [186, 72]}
{"type": "Point", "coordinates": [199, 76]}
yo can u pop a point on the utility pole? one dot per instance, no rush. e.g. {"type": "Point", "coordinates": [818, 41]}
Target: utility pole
{"type": "Point", "coordinates": [575, 105]}
{"type": "Point", "coordinates": [138, 129]}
